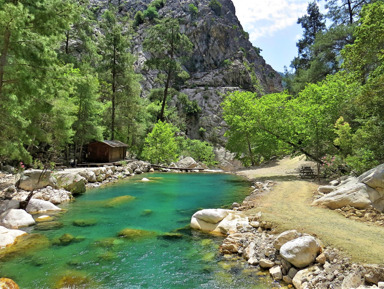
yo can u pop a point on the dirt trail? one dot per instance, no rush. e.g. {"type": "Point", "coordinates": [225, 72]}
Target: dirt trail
{"type": "Point", "coordinates": [288, 206]}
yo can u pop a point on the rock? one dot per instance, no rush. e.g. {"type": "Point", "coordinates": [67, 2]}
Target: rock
{"type": "Point", "coordinates": [373, 273]}
{"type": "Point", "coordinates": [284, 238]}
{"type": "Point", "coordinates": [232, 223]}
{"type": "Point", "coordinates": [15, 218]}
{"type": "Point", "coordinates": [326, 189]}
{"type": "Point", "coordinates": [381, 285]}
{"type": "Point", "coordinates": [300, 278]}
{"type": "Point", "coordinates": [301, 251]}
{"type": "Point", "coordinates": [255, 224]}
{"type": "Point", "coordinates": [39, 206]}
{"type": "Point", "coordinates": [8, 204]}
{"type": "Point", "coordinates": [187, 163]}
{"type": "Point", "coordinates": [292, 272]}
{"type": "Point", "coordinates": [84, 222]}
{"type": "Point", "coordinates": [145, 180]}
{"type": "Point", "coordinates": [287, 279]}
{"type": "Point", "coordinates": [334, 183]}
{"type": "Point", "coordinates": [8, 236]}
{"type": "Point", "coordinates": [44, 218]}
{"type": "Point", "coordinates": [212, 216]}
{"type": "Point", "coordinates": [353, 280]}
{"type": "Point", "coordinates": [31, 180]}
{"type": "Point", "coordinates": [374, 178]}
{"type": "Point", "coordinates": [352, 194]}
{"type": "Point", "coordinates": [118, 201]}
{"type": "Point", "coordinates": [321, 259]}
{"type": "Point", "coordinates": [71, 181]}
{"type": "Point", "coordinates": [266, 264]}
{"type": "Point", "coordinates": [6, 283]}
{"type": "Point", "coordinates": [276, 273]}
{"type": "Point", "coordinates": [48, 225]}
{"type": "Point", "coordinates": [134, 234]}
{"type": "Point", "coordinates": [250, 251]}
{"type": "Point", "coordinates": [89, 175]}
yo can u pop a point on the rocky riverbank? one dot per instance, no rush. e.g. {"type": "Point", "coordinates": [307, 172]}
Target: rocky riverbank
{"type": "Point", "coordinates": [294, 258]}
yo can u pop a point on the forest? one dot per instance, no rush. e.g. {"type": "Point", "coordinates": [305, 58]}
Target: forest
{"type": "Point", "coordinates": [67, 77]}
{"type": "Point", "coordinates": [331, 108]}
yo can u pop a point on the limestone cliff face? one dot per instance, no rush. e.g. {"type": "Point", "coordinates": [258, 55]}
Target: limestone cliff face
{"type": "Point", "coordinates": [223, 59]}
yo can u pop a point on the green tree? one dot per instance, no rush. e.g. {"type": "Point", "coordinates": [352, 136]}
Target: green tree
{"type": "Point", "coordinates": [345, 11]}
{"type": "Point", "coordinates": [33, 82]}
{"type": "Point", "coordinates": [168, 48]}
{"type": "Point", "coordinates": [121, 84]}
{"type": "Point", "coordinates": [160, 145]}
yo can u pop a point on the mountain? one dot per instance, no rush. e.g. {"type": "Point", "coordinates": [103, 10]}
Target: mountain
{"type": "Point", "coordinates": [223, 58]}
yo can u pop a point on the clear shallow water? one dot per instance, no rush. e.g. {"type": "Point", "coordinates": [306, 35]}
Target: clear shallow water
{"type": "Point", "coordinates": [101, 259]}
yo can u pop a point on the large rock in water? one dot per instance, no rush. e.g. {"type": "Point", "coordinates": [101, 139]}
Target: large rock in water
{"type": "Point", "coordinates": [219, 221]}
{"type": "Point", "coordinates": [40, 206]}
{"type": "Point", "coordinates": [300, 252]}
{"type": "Point", "coordinates": [8, 236]}
{"type": "Point", "coordinates": [31, 180]}
{"type": "Point", "coordinates": [15, 218]}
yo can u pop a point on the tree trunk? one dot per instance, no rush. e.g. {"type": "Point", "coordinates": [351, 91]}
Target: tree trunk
{"type": "Point", "coordinates": [161, 116]}
{"type": "Point", "coordinates": [350, 11]}
{"type": "Point", "coordinates": [250, 151]}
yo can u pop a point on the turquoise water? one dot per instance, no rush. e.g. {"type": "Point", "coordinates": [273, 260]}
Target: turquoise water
{"type": "Point", "coordinates": [98, 258]}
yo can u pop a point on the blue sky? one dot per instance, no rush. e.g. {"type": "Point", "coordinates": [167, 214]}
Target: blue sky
{"type": "Point", "coordinates": [272, 26]}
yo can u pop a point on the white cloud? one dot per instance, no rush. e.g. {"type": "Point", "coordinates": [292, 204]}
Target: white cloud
{"type": "Point", "coordinates": [265, 17]}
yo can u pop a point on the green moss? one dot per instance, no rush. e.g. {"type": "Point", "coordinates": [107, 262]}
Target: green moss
{"type": "Point", "coordinates": [118, 201]}
{"type": "Point", "coordinates": [134, 234]}
{"type": "Point", "coordinates": [84, 222]}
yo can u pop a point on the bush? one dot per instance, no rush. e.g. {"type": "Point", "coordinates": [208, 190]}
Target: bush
{"type": "Point", "coordinates": [158, 4]}
{"type": "Point", "coordinates": [193, 9]}
{"type": "Point", "coordinates": [151, 13]}
{"type": "Point", "coordinates": [216, 6]}
{"type": "Point", "coordinates": [200, 151]}
{"type": "Point", "coordinates": [139, 19]}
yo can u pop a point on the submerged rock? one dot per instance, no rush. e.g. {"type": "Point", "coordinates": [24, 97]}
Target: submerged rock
{"type": "Point", "coordinates": [133, 234]}
{"type": "Point", "coordinates": [84, 222]}
{"type": "Point", "coordinates": [51, 225]}
{"type": "Point", "coordinates": [74, 279]}
{"type": "Point", "coordinates": [119, 201]}
{"type": "Point", "coordinates": [39, 206]}
{"type": "Point", "coordinates": [6, 283]}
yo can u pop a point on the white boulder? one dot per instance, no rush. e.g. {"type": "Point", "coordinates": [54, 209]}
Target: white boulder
{"type": "Point", "coordinates": [301, 251]}
{"type": "Point", "coordinates": [187, 163]}
{"type": "Point", "coordinates": [15, 218]}
{"type": "Point", "coordinates": [71, 181]}
{"type": "Point", "coordinates": [39, 206]}
{"type": "Point", "coordinates": [211, 215]}
{"type": "Point", "coordinates": [8, 236]}
{"type": "Point", "coordinates": [374, 178]}
{"type": "Point", "coordinates": [36, 179]}
{"type": "Point", "coordinates": [231, 223]}
{"type": "Point", "coordinates": [284, 238]}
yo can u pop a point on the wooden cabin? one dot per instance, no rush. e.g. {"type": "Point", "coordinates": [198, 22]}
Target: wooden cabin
{"type": "Point", "coordinates": [106, 151]}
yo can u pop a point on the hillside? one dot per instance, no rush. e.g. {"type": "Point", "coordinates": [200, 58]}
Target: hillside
{"type": "Point", "coordinates": [223, 58]}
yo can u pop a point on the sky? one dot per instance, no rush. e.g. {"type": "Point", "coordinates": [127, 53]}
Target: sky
{"type": "Point", "coordinates": [272, 26]}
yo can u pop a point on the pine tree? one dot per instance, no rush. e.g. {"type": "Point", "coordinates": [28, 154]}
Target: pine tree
{"type": "Point", "coordinates": [168, 48]}
{"type": "Point", "coordinates": [121, 84]}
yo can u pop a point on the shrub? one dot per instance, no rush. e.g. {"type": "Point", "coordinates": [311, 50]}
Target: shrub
{"type": "Point", "coordinates": [200, 151]}
{"type": "Point", "coordinates": [216, 6]}
{"type": "Point", "coordinates": [151, 13]}
{"type": "Point", "coordinates": [193, 9]}
{"type": "Point", "coordinates": [158, 4]}
{"type": "Point", "coordinates": [139, 18]}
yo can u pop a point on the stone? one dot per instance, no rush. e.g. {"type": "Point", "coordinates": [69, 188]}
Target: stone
{"type": "Point", "coordinates": [232, 223]}
{"type": "Point", "coordinates": [89, 175]}
{"type": "Point", "coordinates": [8, 236]}
{"type": "Point", "coordinates": [266, 264]}
{"type": "Point", "coordinates": [40, 206]}
{"type": "Point", "coordinates": [321, 259]}
{"type": "Point", "coordinates": [374, 178]}
{"type": "Point", "coordinates": [31, 180]}
{"type": "Point", "coordinates": [49, 225]}
{"type": "Point", "coordinates": [287, 279]}
{"type": "Point", "coordinates": [334, 183]}
{"type": "Point", "coordinates": [212, 216]}
{"type": "Point", "coordinates": [373, 273]}
{"type": "Point", "coordinates": [133, 234]}
{"type": "Point", "coordinates": [44, 218]}
{"type": "Point", "coordinates": [250, 251]}
{"type": "Point", "coordinates": [255, 224]}
{"type": "Point", "coordinates": [118, 201]}
{"type": "Point", "coordinates": [353, 280]}
{"type": "Point", "coordinates": [145, 180]}
{"type": "Point", "coordinates": [276, 273]}
{"type": "Point", "coordinates": [16, 218]}
{"type": "Point", "coordinates": [6, 283]}
{"type": "Point", "coordinates": [292, 272]}
{"type": "Point", "coordinates": [301, 251]}
{"type": "Point", "coordinates": [284, 238]}
{"type": "Point", "coordinates": [326, 189]}
{"type": "Point", "coordinates": [352, 194]}
{"type": "Point", "coordinates": [380, 285]}
{"type": "Point", "coordinates": [71, 181]}
{"type": "Point", "coordinates": [187, 163]}
{"type": "Point", "coordinates": [9, 204]}
{"type": "Point", "coordinates": [299, 280]}
{"type": "Point", "coordinates": [84, 222]}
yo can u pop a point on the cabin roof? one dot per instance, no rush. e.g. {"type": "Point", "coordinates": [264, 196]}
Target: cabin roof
{"type": "Point", "coordinates": [113, 143]}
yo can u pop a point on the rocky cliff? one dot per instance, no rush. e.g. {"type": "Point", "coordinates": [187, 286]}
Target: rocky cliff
{"type": "Point", "coordinates": [223, 59]}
